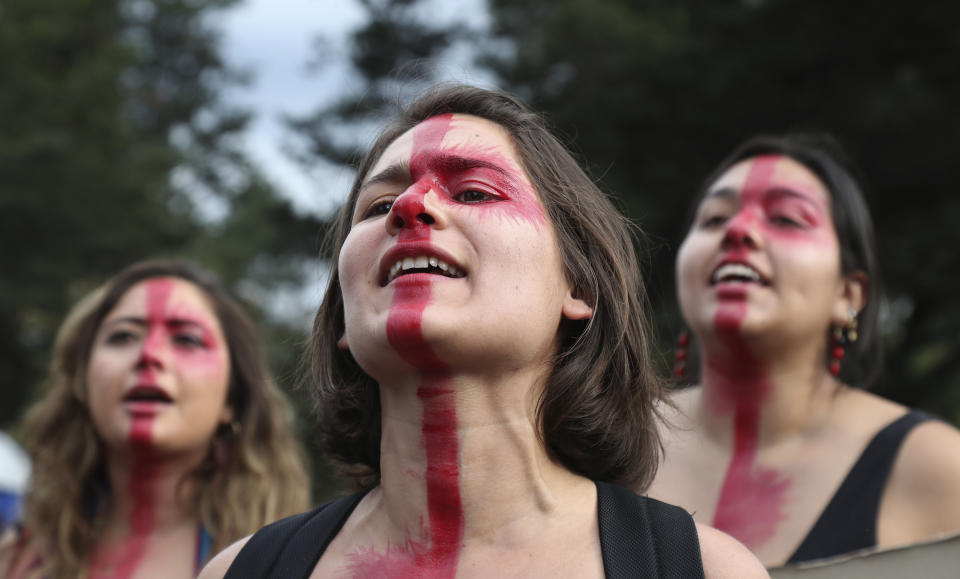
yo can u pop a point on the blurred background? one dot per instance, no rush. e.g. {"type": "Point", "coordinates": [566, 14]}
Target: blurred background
{"type": "Point", "coordinates": [224, 131]}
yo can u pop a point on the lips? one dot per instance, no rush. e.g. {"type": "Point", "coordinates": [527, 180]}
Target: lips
{"type": "Point", "coordinates": [418, 258]}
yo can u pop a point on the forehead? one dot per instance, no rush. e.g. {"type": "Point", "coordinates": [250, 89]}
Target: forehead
{"type": "Point", "coordinates": [464, 133]}
{"type": "Point", "coordinates": [168, 295]}
{"type": "Point", "coordinates": [765, 172]}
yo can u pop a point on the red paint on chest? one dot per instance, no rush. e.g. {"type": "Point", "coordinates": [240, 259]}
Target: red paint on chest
{"type": "Point", "coordinates": [121, 561]}
{"type": "Point", "coordinates": [752, 499]}
{"type": "Point", "coordinates": [437, 553]}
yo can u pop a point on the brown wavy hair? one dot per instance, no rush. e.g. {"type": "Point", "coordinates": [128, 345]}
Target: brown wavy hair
{"type": "Point", "coordinates": [256, 476]}
{"type": "Point", "coordinates": [597, 413]}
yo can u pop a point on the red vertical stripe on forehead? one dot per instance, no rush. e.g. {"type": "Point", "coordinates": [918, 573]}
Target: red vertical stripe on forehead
{"type": "Point", "coordinates": [758, 177]}
{"type": "Point", "coordinates": [158, 295]}
{"type": "Point", "coordinates": [430, 133]}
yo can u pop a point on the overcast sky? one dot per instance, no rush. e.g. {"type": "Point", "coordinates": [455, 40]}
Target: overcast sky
{"type": "Point", "coordinates": [274, 39]}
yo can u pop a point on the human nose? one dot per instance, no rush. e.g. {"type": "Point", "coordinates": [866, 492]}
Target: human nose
{"type": "Point", "coordinates": [415, 209]}
{"type": "Point", "coordinates": [741, 230]}
{"type": "Point", "coordinates": [152, 353]}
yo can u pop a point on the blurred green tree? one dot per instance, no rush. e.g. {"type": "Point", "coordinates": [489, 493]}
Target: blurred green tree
{"type": "Point", "coordinates": [656, 93]}
{"type": "Point", "coordinates": [653, 94]}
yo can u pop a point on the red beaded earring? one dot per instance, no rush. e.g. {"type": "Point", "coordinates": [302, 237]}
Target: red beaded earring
{"type": "Point", "coordinates": [842, 336]}
{"type": "Point", "coordinates": [680, 368]}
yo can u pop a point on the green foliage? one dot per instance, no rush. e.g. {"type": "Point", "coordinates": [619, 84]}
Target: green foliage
{"type": "Point", "coordinates": [113, 129]}
{"type": "Point", "coordinates": [394, 56]}
{"type": "Point", "coordinates": [653, 94]}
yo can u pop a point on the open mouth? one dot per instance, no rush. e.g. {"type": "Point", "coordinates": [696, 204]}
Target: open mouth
{"type": "Point", "coordinates": [147, 394]}
{"type": "Point", "coordinates": [737, 273]}
{"type": "Point", "coordinates": [423, 264]}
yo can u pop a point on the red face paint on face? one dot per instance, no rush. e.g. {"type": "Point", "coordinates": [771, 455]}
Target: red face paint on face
{"type": "Point", "coordinates": [158, 292]}
{"type": "Point", "coordinates": [157, 382]}
{"type": "Point", "coordinates": [439, 552]}
{"type": "Point", "coordinates": [454, 189]}
{"type": "Point", "coordinates": [751, 502]}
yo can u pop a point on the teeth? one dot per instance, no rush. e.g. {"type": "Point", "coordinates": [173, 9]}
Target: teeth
{"type": "Point", "coordinates": [738, 270]}
{"type": "Point", "coordinates": [420, 262]}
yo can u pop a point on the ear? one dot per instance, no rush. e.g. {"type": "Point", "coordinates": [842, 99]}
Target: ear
{"type": "Point", "coordinates": [576, 308]}
{"type": "Point", "coordinates": [852, 296]}
{"type": "Point", "coordinates": [342, 342]}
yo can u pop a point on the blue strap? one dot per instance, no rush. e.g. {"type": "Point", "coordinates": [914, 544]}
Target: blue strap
{"type": "Point", "coordinates": [204, 546]}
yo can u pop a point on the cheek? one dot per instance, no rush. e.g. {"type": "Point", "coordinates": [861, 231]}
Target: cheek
{"type": "Point", "coordinates": [354, 261]}
{"type": "Point", "coordinates": [211, 368]}
{"type": "Point", "coordinates": [104, 375]}
{"type": "Point", "coordinates": [688, 261]}
{"type": "Point", "coordinates": [98, 392]}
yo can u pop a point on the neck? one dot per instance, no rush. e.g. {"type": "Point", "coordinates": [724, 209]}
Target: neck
{"type": "Point", "coordinates": [785, 386]}
{"type": "Point", "coordinates": [462, 453]}
{"type": "Point", "coordinates": [150, 492]}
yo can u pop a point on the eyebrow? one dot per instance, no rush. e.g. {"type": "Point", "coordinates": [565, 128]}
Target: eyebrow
{"type": "Point", "coordinates": [442, 163]}
{"type": "Point", "coordinates": [778, 191]}
{"type": "Point", "coordinates": [723, 193]}
{"type": "Point", "coordinates": [137, 321]}
{"type": "Point", "coordinates": [790, 193]}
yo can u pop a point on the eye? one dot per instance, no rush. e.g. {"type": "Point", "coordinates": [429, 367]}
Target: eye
{"type": "Point", "coordinates": [121, 337]}
{"type": "Point", "coordinates": [189, 341]}
{"type": "Point", "coordinates": [379, 208]}
{"type": "Point", "coordinates": [785, 221]}
{"type": "Point", "coordinates": [472, 196]}
{"type": "Point", "coordinates": [713, 220]}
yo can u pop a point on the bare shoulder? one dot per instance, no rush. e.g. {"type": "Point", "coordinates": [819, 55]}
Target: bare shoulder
{"type": "Point", "coordinates": [217, 567]}
{"type": "Point", "coordinates": [923, 491]}
{"type": "Point", "coordinates": [726, 558]}
{"type": "Point", "coordinates": [929, 460]}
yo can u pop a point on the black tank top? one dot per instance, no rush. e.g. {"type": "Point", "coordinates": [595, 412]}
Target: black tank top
{"type": "Point", "coordinates": [849, 521]}
{"type": "Point", "coordinates": [639, 537]}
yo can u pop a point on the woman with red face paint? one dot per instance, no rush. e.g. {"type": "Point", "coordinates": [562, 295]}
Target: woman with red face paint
{"type": "Point", "coordinates": [778, 282]}
{"type": "Point", "coordinates": [481, 368]}
{"type": "Point", "coordinates": [161, 437]}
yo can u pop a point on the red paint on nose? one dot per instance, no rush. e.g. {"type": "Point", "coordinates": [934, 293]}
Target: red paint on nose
{"type": "Point", "coordinates": [151, 356]}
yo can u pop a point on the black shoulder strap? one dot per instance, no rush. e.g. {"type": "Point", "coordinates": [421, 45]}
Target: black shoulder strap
{"type": "Point", "coordinates": [291, 547]}
{"type": "Point", "coordinates": [643, 537]}
{"type": "Point", "coordinates": [849, 521]}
